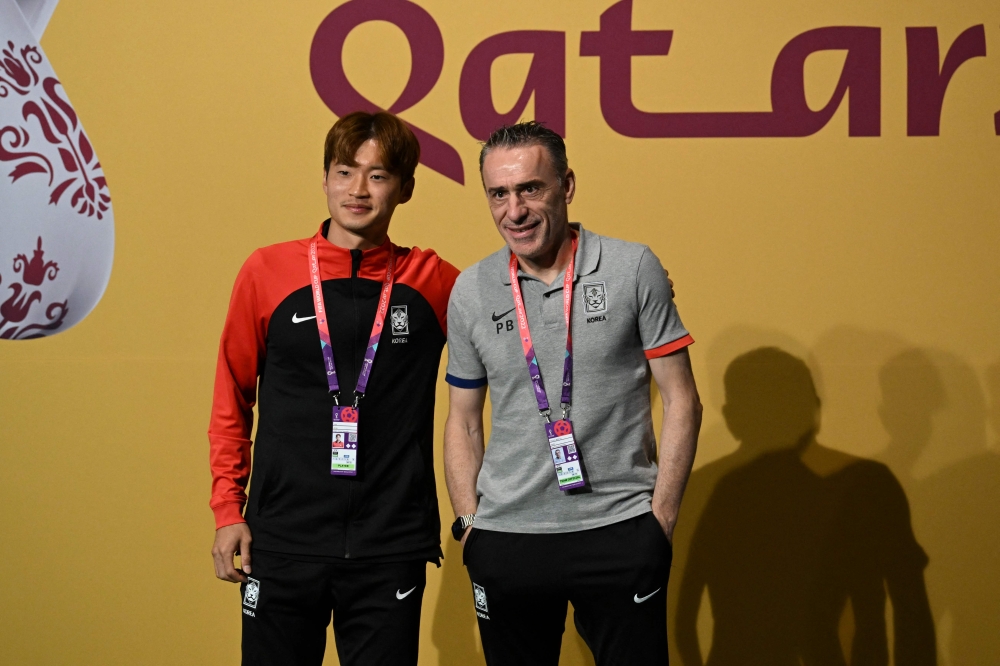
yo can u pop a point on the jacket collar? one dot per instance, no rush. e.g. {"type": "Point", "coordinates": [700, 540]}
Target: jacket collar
{"type": "Point", "coordinates": [378, 254]}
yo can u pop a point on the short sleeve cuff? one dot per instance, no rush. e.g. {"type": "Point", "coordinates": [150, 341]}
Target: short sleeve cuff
{"type": "Point", "coordinates": [669, 348]}
{"type": "Point", "coordinates": [465, 383]}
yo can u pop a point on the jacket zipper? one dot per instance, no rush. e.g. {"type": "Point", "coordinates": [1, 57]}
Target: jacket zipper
{"type": "Point", "coordinates": [355, 269]}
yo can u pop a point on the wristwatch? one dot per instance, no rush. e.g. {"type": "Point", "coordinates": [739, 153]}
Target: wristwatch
{"type": "Point", "coordinates": [461, 524]}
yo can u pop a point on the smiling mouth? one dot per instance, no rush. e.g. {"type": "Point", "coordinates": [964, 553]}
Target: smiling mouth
{"type": "Point", "coordinates": [522, 230]}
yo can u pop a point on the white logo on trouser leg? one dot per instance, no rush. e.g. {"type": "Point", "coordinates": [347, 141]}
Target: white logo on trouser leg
{"type": "Point", "coordinates": [481, 607]}
{"type": "Point", "coordinates": [251, 593]}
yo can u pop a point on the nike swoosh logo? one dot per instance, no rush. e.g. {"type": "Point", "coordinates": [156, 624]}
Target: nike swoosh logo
{"type": "Point", "coordinates": [406, 594]}
{"type": "Point", "coordinates": [639, 600]}
{"type": "Point", "coordinates": [497, 317]}
{"type": "Point", "coordinates": [296, 319]}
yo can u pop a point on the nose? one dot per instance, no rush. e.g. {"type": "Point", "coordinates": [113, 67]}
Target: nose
{"type": "Point", "coordinates": [516, 210]}
{"type": "Point", "coordinates": [359, 186]}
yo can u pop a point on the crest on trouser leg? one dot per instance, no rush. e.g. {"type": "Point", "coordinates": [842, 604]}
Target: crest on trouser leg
{"type": "Point", "coordinates": [480, 594]}
{"type": "Point", "coordinates": [251, 593]}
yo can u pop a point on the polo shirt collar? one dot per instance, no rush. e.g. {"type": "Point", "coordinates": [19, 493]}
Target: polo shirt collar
{"type": "Point", "coordinates": [588, 256]}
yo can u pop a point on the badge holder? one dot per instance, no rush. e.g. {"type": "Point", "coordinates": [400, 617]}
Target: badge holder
{"type": "Point", "coordinates": [565, 457]}
{"type": "Point", "coordinates": [344, 447]}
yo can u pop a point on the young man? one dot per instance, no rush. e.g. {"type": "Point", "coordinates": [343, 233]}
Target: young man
{"type": "Point", "coordinates": [569, 505]}
{"type": "Point", "coordinates": [344, 332]}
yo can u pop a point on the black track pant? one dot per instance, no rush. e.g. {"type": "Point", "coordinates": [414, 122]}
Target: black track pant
{"type": "Point", "coordinates": [287, 606]}
{"type": "Point", "coordinates": [615, 576]}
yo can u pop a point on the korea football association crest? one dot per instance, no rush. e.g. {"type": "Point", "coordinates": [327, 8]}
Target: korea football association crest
{"type": "Point", "coordinates": [595, 297]}
{"type": "Point", "coordinates": [480, 596]}
{"type": "Point", "coordinates": [251, 593]}
{"type": "Point", "coordinates": [400, 320]}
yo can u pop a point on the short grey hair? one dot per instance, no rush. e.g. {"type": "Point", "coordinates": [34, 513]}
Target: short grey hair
{"type": "Point", "coordinates": [530, 133]}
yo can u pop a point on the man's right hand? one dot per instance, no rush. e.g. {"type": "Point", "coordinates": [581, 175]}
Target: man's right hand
{"type": "Point", "coordinates": [465, 535]}
{"type": "Point", "coordinates": [230, 541]}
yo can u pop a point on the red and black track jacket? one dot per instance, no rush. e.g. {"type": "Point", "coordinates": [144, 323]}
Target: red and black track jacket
{"type": "Point", "coordinates": [297, 507]}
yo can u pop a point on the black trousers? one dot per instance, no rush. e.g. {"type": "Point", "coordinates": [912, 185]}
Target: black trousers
{"type": "Point", "coordinates": [287, 606]}
{"type": "Point", "coordinates": [615, 576]}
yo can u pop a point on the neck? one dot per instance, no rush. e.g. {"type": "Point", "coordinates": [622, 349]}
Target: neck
{"type": "Point", "coordinates": [549, 265]}
{"type": "Point", "coordinates": [364, 239]}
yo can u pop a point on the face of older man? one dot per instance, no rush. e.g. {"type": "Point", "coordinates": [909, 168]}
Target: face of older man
{"type": "Point", "coordinates": [528, 200]}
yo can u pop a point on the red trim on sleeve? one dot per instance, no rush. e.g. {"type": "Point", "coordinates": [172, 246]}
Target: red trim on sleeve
{"type": "Point", "coordinates": [670, 347]}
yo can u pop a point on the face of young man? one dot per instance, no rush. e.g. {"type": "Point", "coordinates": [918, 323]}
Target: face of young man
{"type": "Point", "coordinates": [528, 200]}
{"type": "Point", "coordinates": [362, 198]}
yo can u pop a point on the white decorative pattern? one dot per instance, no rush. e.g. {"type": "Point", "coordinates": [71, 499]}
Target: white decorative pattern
{"type": "Point", "coordinates": [54, 200]}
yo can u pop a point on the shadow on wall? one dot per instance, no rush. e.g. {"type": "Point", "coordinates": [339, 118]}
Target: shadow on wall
{"type": "Point", "coordinates": [797, 545]}
{"type": "Point", "coordinates": [932, 405]}
{"type": "Point", "coordinates": [790, 552]}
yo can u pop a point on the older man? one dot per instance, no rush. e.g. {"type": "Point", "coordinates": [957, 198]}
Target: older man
{"type": "Point", "coordinates": [568, 506]}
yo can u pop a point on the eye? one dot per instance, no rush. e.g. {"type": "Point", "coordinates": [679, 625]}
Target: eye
{"type": "Point", "coordinates": [376, 176]}
{"type": "Point", "coordinates": [342, 172]}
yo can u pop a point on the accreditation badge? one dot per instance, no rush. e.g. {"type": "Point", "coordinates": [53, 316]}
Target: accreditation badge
{"type": "Point", "coordinates": [565, 457]}
{"type": "Point", "coordinates": [344, 448]}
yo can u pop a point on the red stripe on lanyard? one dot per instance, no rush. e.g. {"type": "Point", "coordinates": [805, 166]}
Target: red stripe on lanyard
{"type": "Point", "coordinates": [324, 327]}
{"type": "Point", "coordinates": [534, 372]}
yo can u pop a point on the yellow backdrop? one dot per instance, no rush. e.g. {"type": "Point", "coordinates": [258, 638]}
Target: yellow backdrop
{"type": "Point", "coordinates": [873, 258]}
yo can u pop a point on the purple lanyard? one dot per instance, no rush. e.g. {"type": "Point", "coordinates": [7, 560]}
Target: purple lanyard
{"type": "Point", "coordinates": [324, 328]}
{"type": "Point", "coordinates": [529, 349]}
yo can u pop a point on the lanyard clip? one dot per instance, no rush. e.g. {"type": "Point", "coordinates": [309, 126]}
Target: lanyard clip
{"type": "Point", "coordinates": [544, 413]}
{"type": "Point", "coordinates": [336, 397]}
{"type": "Point", "coordinates": [565, 410]}
{"type": "Point", "coordinates": [357, 399]}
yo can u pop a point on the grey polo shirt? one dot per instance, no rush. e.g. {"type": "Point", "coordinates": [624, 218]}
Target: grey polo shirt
{"type": "Point", "coordinates": [622, 315]}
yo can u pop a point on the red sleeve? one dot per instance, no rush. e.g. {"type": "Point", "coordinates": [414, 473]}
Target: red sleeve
{"type": "Point", "coordinates": [241, 352]}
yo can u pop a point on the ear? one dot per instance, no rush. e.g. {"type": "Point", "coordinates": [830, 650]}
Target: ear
{"type": "Point", "coordinates": [569, 185]}
{"type": "Point", "coordinates": [326, 176]}
{"type": "Point", "coordinates": [406, 192]}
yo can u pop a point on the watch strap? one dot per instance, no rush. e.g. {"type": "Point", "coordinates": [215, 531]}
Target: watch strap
{"type": "Point", "coordinates": [461, 524]}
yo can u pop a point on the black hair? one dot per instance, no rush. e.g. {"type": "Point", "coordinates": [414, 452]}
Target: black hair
{"type": "Point", "coordinates": [530, 133]}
